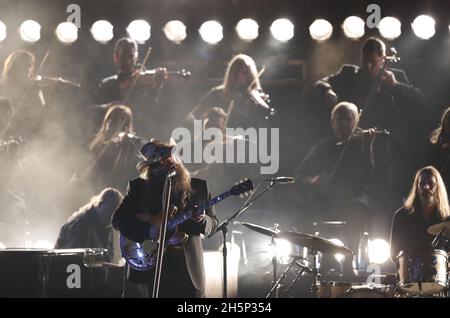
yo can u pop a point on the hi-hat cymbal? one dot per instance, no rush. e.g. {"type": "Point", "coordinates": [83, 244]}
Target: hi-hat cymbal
{"type": "Point", "coordinates": [315, 243]}
{"type": "Point", "coordinates": [260, 229]}
{"type": "Point", "coordinates": [437, 228]}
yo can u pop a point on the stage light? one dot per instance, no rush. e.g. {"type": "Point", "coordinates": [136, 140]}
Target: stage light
{"type": "Point", "coordinates": [175, 31]}
{"type": "Point", "coordinates": [30, 31]}
{"type": "Point", "coordinates": [282, 249]}
{"type": "Point", "coordinates": [2, 246]}
{"type": "Point", "coordinates": [390, 28]}
{"type": "Point", "coordinates": [247, 29]}
{"type": "Point", "coordinates": [67, 32]}
{"type": "Point", "coordinates": [353, 27]}
{"type": "Point", "coordinates": [282, 30]}
{"type": "Point", "coordinates": [379, 251]}
{"type": "Point", "coordinates": [2, 31]}
{"type": "Point", "coordinates": [139, 30]}
{"type": "Point", "coordinates": [102, 31]}
{"type": "Point", "coordinates": [211, 32]}
{"type": "Point", "coordinates": [42, 244]}
{"type": "Point", "coordinates": [320, 30]}
{"type": "Point", "coordinates": [338, 257]}
{"type": "Point", "coordinates": [424, 27]}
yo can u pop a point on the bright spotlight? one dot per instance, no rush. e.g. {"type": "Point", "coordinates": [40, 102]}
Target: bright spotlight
{"type": "Point", "coordinates": [2, 246]}
{"type": "Point", "coordinates": [321, 30]}
{"type": "Point", "coordinates": [282, 249]}
{"type": "Point", "coordinates": [390, 28]}
{"type": "Point", "coordinates": [353, 27]}
{"type": "Point", "coordinates": [2, 31]}
{"type": "Point", "coordinates": [175, 31]}
{"type": "Point", "coordinates": [247, 29]}
{"type": "Point", "coordinates": [282, 30]}
{"type": "Point", "coordinates": [67, 32]}
{"type": "Point", "coordinates": [211, 32]}
{"type": "Point", "coordinates": [379, 251]}
{"type": "Point", "coordinates": [42, 244]}
{"type": "Point", "coordinates": [338, 257]}
{"type": "Point", "coordinates": [30, 31]}
{"type": "Point", "coordinates": [424, 27]}
{"type": "Point", "coordinates": [102, 31]}
{"type": "Point", "coordinates": [139, 30]}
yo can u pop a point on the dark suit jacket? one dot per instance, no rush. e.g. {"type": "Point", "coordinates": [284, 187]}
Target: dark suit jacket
{"type": "Point", "coordinates": [143, 198]}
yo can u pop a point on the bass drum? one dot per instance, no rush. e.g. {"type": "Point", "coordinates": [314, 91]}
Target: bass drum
{"type": "Point", "coordinates": [364, 293]}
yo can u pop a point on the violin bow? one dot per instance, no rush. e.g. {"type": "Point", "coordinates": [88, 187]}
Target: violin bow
{"type": "Point", "coordinates": [141, 69]}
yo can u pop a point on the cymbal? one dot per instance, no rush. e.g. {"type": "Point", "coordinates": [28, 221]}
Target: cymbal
{"type": "Point", "coordinates": [315, 243]}
{"type": "Point", "coordinates": [437, 228]}
{"type": "Point", "coordinates": [260, 229]}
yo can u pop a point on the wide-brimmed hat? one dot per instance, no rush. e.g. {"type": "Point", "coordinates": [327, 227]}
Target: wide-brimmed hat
{"type": "Point", "coordinates": [153, 153]}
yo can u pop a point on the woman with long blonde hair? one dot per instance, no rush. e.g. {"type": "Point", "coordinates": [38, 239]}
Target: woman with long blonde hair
{"type": "Point", "coordinates": [426, 205]}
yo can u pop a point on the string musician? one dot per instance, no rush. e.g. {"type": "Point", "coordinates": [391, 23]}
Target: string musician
{"type": "Point", "coordinates": [335, 175]}
{"type": "Point", "coordinates": [134, 85]}
{"type": "Point", "coordinates": [240, 95]}
{"type": "Point", "coordinates": [182, 267]}
{"type": "Point", "coordinates": [439, 152]}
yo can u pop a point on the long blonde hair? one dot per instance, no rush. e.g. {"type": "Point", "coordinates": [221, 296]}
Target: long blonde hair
{"type": "Point", "coordinates": [245, 61]}
{"type": "Point", "coordinates": [437, 133]}
{"type": "Point", "coordinates": [412, 202]}
{"type": "Point", "coordinates": [121, 113]}
{"type": "Point", "coordinates": [15, 57]}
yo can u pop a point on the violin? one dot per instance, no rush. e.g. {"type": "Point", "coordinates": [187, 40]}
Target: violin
{"type": "Point", "coordinates": [50, 81]}
{"type": "Point", "coordinates": [151, 77]}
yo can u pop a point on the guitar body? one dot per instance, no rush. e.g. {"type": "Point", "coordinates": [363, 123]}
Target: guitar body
{"type": "Point", "coordinates": [143, 256]}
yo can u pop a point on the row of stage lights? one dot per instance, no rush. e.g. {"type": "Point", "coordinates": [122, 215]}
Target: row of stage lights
{"type": "Point", "coordinates": [212, 31]}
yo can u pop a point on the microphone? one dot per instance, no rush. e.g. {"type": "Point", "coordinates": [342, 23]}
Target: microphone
{"type": "Point", "coordinates": [281, 180]}
{"type": "Point", "coordinates": [442, 235]}
{"type": "Point", "coordinates": [171, 173]}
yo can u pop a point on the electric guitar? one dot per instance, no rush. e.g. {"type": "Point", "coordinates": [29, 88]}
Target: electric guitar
{"type": "Point", "coordinates": [142, 257]}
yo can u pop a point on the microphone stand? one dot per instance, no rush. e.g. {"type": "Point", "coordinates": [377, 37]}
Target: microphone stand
{"type": "Point", "coordinates": [162, 233]}
{"type": "Point", "coordinates": [223, 227]}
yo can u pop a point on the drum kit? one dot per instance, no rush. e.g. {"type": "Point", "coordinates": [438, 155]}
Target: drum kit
{"type": "Point", "coordinates": [419, 273]}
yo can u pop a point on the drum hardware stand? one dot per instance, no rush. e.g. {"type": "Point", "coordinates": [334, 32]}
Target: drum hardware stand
{"type": "Point", "coordinates": [223, 227]}
{"type": "Point", "coordinates": [277, 284]}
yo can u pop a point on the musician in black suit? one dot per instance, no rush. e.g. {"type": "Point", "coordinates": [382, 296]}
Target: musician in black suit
{"type": "Point", "coordinates": [182, 271]}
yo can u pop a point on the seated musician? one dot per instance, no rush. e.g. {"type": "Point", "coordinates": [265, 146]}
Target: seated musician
{"type": "Point", "coordinates": [90, 226]}
{"type": "Point", "coordinates": [240, 95]}
{"type": "Point", "coordinates": [427, 204]}
{"type": "Point", "coordinates": [182, 270]}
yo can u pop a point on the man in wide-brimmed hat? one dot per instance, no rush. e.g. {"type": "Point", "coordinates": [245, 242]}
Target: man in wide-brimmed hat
{"type": "Point", "coordinates": [182, 264]}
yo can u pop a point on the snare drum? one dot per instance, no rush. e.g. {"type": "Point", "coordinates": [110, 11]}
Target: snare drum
{"type": "Point", "coordinates": [422, 272]}
{"type": "Point", "coordinates": [364, 293]}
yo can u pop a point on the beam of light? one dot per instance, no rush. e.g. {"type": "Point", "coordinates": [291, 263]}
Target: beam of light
{"type": "Point", "coordinates": [379, 251]}
{"type": "Point", "coordinates": [211, 32]}
{"type": "Point", "coordinates": [102, 31]}
{"type": "Point", "coordinates": [282, 30]}
{"type": "Point", "coordinates": [175, 31]}
{"type": "Point", "coordinates": [2, 246]}
{"type": "Point", "coordinates": [30, 31]}
{"type": "Point", "coordinates": [67, 32]}
{"type": "Point", "coordinates": [390, 28]}
{"type": "Point", "coordinates": [320, 30]}
{"type": "Point", "coordinates": [2, 31]}
{"type": "Point", "coordinates": [139, 30]}
{"type": "Point", "coordinates": [247, 29]}
{"type": "Point", "coordinates": [353, 27]}
{"type": "Point", "coordinates": [338, 257]}
{"type": "Point", "coordinates": [424, 27]}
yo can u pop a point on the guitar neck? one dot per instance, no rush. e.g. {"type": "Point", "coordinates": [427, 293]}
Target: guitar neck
{"type": "Point", "coordinates": [187, 215]}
